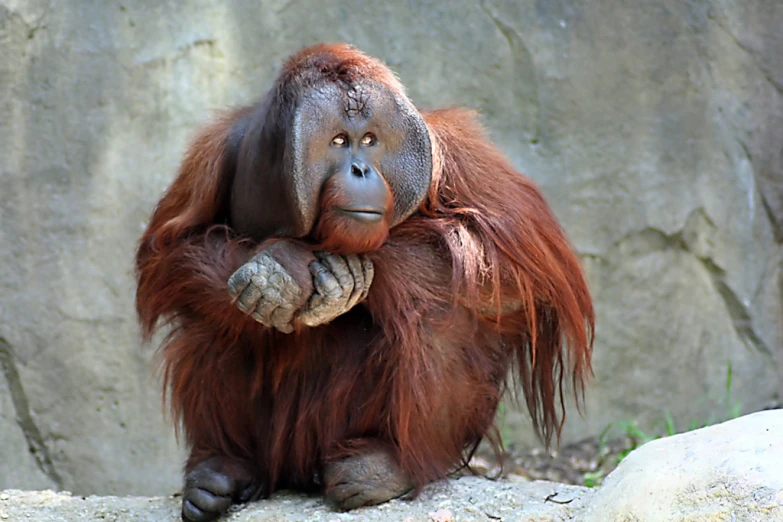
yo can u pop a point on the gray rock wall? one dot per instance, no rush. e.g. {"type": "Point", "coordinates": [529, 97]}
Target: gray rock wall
{"type": "Point", "coordinates": [654, 127]}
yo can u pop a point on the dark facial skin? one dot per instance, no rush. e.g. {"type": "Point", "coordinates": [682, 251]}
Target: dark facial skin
{"type": "Point", "coordinates": [355, 154]}
{"type": "Point", "coordinates": [346, 145]}
{"type": "Point", "coordinates": [308, 174]}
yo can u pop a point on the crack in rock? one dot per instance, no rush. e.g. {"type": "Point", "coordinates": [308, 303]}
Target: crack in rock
{"type": "Point", "coordinates": [24, 418]}
{"type": "Point", "coordinates": [525, 88]}
{"type": "Point", "coordinates": [652, 239]}
{"type": "Point", "coordinates": [753, 54]}
{"type": "Point", "coordinates": [738, 312]}
{"type": "Point", "coordinates": [775, 222]}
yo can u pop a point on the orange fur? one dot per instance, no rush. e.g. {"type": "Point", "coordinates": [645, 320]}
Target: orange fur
{"type": "Point", "coordinates": [479, 281]}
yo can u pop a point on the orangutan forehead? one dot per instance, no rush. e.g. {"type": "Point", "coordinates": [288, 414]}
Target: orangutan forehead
{"type": "Point", "coordinates": [330, 108]}
{"type": "Point", "coordinates": [351, 100]}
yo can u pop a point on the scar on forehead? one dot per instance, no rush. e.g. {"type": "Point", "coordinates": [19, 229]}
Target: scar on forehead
{"type": "Point", "coordinates": [356, 98]}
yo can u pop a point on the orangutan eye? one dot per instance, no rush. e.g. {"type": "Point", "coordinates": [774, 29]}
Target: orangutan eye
{"type": "Point", "coordinates": [368, 139]}
{"type": "Point", "coordinates": [339, 141]}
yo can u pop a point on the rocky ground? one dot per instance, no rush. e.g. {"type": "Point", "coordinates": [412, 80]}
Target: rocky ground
{"type": "Point", "coordinates": [728, 471]}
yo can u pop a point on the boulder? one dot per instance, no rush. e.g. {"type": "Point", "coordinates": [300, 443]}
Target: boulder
{"type": "Point", "coordinates": [730, 471]}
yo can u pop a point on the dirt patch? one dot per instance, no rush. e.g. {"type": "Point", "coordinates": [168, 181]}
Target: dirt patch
{"type": "Point", "coordinates": [583, 463]}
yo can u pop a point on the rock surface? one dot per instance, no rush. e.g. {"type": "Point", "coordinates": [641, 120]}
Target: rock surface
{"type": "Point", "coordinates": [653, 126]}
{"type": "Point", "coordinates": [468, 498]}
{"type": "Point", "coordinates": [731, 471]}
